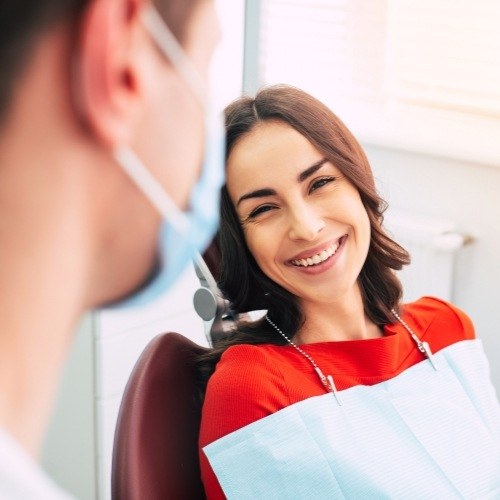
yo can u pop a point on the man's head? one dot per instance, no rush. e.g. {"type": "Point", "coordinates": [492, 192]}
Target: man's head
{"type": "Point", "coordinates": [83, 77]}
{"type": "Point", "coordinates": [22, 23]}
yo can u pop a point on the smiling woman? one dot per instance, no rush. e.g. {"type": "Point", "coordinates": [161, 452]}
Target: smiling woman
{"type": "Point", "coordinates": [283, 128]}
{"type": "Point", "coordinates": [301, 217]}
{"type": "Point", "coordinates": [301, 237]}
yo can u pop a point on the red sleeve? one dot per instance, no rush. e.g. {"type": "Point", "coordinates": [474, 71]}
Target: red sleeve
{"type": "Point", "coordinates": [247, 385]}
{"type": "Point", "coordinates": [468, 330]}
{"type": "Point", "coordinates": [445, 322]}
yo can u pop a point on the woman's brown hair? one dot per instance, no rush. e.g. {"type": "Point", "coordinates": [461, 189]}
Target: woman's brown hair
{"type": "Point", "coordinates": [241, 280]}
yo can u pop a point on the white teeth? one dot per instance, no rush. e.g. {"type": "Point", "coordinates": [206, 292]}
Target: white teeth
{"type": "Point", "coordinates": [318, 258]}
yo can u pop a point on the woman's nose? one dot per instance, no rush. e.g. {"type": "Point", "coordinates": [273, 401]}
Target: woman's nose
{"type": "Point", "coordinates": [305, 224]}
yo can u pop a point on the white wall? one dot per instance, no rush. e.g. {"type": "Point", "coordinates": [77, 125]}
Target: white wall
{"type": "Point", "coordinates": [69, 449]}
{"type": "Point", "coordinates": [467, 194]}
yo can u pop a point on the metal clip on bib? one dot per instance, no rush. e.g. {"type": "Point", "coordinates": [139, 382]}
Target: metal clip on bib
{"type": "Point", "coordinates": [327, 381]}
{"type": "Point", "coordinates": [422, 346]}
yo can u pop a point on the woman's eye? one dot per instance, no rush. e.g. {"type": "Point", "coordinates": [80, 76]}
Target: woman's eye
{"type": "Point", "coordinates": [259, 210]}
{"type": "Point", "coordinates": [319, 183]}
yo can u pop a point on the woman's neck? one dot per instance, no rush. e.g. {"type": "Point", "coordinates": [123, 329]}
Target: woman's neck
{"type": "Point", "coordinates": [343, 319]}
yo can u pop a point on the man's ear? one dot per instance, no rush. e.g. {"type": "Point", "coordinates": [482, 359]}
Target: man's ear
{"type": "Point", "coordinates": [108, 82]}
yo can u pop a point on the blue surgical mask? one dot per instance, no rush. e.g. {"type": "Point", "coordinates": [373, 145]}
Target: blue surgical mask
{"type": "Point", "coordinates": [182, 234]}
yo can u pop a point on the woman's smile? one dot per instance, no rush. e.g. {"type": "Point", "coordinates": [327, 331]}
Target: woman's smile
{"type": "Point", "coordinates": [322, 261]}
{"type": "Point", "coordinates": [315, 257]}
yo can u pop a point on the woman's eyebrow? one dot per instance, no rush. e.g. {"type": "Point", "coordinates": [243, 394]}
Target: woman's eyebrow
{"type": "Point", "coordinates": [259, 193]}
{"type": "Point", "coordinates": [262, 193]}
{"type": "Point", "coordinates": [311, 170]}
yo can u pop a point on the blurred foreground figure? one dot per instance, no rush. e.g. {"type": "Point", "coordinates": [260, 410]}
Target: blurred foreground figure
{"type": "Point", "coordinates": [103, 121]}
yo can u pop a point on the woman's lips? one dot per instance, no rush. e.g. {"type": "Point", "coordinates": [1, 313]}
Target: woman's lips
{"type": "Point", "coordinates": [320, 260]}
{"type": "Point", "coordinates": [319, 257]}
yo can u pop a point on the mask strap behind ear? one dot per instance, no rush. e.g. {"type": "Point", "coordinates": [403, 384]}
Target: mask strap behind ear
{"type": "Point", "coordinates": [153, 190]}
{"type": "Point", "coordinates": [173, 51]}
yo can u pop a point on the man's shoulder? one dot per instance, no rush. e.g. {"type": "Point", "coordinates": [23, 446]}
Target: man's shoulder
{"type": "Point", "coordinates": [21, 477]}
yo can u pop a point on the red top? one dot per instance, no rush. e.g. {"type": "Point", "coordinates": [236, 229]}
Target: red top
{"type": "Point", "coordinates": [252, 382]}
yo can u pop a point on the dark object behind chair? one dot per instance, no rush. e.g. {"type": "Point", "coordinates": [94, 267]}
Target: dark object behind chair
{"type": "Point", "coordinates": [155, 454]}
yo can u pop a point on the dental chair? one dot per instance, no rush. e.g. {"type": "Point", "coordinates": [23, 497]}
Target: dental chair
{"type": "Point", "coordinates": [155, 453]}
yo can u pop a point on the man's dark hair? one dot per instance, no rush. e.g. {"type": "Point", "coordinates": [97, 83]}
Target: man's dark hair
{"type": "Point", "coordinates": [22, 22]}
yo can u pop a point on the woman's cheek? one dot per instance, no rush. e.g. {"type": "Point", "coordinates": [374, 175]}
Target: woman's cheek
{"type": "Point", "coordinates": [252, 239]}
{"type": "Point", "coordinates": [260, 244]}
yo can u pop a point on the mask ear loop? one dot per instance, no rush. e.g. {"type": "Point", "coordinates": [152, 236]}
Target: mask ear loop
{"type": "Point", "coordinates": [151, 187]}
{"type": "Point", "coordinates": [173, 51]}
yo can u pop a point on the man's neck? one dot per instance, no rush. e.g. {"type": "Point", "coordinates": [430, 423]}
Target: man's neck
{"type": "Point", "coordinates": [31, 360]}
{"type": "Point", "coordinates": [42, 265]}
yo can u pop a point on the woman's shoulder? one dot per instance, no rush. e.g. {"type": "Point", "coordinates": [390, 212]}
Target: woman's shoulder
{"type": "Point", "coordinates": [246, 362]}
{"type": "Point", "coordinates": [247, 371]}
{"type": "Point", "coordinates": [241, 352]}
{"type": "Point", "coordinates": [438, 318]}
{"type": "Point", "coordinates": [246, 386]}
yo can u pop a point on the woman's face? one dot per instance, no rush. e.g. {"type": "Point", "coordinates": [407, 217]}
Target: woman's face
{"type": "Point", "coordinates": [303, 221]}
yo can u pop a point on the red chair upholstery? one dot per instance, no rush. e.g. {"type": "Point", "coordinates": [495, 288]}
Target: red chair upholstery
{"type": "Point", "coordinates": [155, 453]}
{"type": "Point", "coordinates": [212, 258]}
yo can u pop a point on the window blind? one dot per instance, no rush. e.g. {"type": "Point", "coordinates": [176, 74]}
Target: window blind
{"type": "Point", "coordinates": [421, 74]}
{"type": "Point", "coordinates": [332, 48]}
{"type": "Point", "coordinates": [445, 54]}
